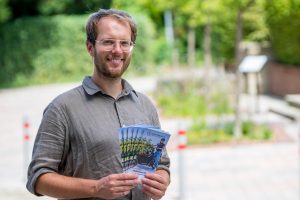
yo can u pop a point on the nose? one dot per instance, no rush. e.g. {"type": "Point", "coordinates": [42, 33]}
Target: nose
{"type": "Point", "coordinates": [117, 47]}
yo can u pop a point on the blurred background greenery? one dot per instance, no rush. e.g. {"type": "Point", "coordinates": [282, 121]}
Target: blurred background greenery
{"type": "Point", "coordinates": [43, 41]}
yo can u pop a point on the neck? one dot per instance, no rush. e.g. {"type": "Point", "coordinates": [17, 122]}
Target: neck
{"type": "Point", "coordinates": [111, 86]}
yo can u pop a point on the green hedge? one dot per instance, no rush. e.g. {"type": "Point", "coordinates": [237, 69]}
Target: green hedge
{"type": "Point", "coordinates": [282, 17]}
{"type": "Point", "coordinates": [43, 49]}
{"type": "Point", "coordinates": [52, 49]}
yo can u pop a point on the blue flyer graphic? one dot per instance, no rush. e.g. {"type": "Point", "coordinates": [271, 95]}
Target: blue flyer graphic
{"type": "Point", "coordinates": [141, 148]}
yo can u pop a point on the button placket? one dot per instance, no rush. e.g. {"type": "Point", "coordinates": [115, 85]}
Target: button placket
{"type": "Point", "coordinates": [119, 114]}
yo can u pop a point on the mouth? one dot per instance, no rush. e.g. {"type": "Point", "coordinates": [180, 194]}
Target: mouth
{"type": "Point", "coordinates": [115, 61]}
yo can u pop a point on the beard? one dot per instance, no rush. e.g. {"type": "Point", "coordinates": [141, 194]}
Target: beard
{"type": "Point", "coordinates": [103, 68]}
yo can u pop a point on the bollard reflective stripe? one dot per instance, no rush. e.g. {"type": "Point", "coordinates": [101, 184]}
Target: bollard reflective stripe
{"type": "Point", "coordinates": [26, 137]}
{"type": "Point", "coordinates": [26, 124]}
{"type": "Point", "coordinates": [26, 145]}
{"type": "Point", "coordinates": [182, 139]}
{"type": "Point", "coordinates": [26, 127]}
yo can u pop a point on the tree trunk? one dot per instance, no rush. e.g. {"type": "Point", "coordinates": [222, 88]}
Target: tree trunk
{"type": "Point", "coordinates": [238, 55]}
{"type": "Point", "coordinates": [169, 34]}
{"type": "Point", "coordinates": [207, 55]}
{"type": "Point", "coordinates": [191, 47]}
{"type": "Point", "coordinates": [207, 47]}
{"type": "Point", "coordinates": [238, 58]}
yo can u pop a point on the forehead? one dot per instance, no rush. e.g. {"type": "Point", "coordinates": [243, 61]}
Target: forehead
{"type": "Point", "coordinates": [112, 26]}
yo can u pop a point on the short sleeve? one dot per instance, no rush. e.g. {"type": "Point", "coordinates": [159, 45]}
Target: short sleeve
{"type": "Point", "coordinates": [48, 146]}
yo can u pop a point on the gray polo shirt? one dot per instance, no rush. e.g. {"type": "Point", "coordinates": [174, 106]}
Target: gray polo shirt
{"type": "Point", "coordinates": [78, 135]}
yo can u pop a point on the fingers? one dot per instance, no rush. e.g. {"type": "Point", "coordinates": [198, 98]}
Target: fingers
{"type": "Point", "coordinates": [117, 185]}
{"type": "Point", "coordinates": [122, 180]}
{"type": "Point", "coordinates": [153, 192]}
{"type": "Point", "coordinates": [156, 178]}
{"type": "Point", "coordinates": [114, 195]}
{"type": "Point", "coordinates": [124, 176]}
{"type": "Point", "coordinates": [155, 185]}
{"type": "Point", "coordinates": [119, 191]}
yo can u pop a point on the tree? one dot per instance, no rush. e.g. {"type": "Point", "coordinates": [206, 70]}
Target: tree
{"type": "Point", "coordinates": [282, 17]}
{"type": "Point", "coordinates": [22, 8]}
{"type": "Point", "coordinates": [4, 11]}
{"type": "Point", "coordinates": [50, 7]}
{"type": "Point", "coordinates": [240, 7]}
{"type": "Point", "coordinates": [201, 13]}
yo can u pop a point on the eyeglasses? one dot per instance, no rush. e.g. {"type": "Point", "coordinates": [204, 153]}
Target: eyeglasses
{"type": "Point", "coordinates": [109, 44]}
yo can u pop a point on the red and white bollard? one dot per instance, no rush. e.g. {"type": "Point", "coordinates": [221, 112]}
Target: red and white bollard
{"type": "Point", "coordinates": [26, 126]}
{"type": "Point", "coordinates": [182, 143]}
{"type": "Point", "coordinates": [26, 145]}
{"type": "Point", "coordinates": [182, 139]}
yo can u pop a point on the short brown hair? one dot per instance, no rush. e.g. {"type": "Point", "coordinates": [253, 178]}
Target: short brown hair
{"type": "Point", "coordinates": [91, 28]}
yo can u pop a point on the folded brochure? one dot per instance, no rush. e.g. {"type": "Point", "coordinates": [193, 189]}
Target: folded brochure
{"type": "Point", "coordinates": [141, 148]}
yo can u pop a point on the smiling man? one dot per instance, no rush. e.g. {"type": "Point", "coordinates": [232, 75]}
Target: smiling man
{"type": "Point", "coordinates": [76, 153]}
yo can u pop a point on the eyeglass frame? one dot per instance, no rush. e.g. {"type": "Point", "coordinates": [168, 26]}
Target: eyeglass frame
{"type": "Point", "coordinates": [112, 46]}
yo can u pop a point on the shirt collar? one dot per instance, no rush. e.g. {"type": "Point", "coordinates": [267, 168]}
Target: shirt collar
{"type": "Point", "coordinates": [91, 88]}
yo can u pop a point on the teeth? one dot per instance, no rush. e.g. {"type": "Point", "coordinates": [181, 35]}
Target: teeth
{"type": "Point", "coordinates": [116, 60]}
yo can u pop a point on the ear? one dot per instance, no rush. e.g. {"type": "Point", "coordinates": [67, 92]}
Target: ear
{"type": "Point", "coordinates": [90, 48]}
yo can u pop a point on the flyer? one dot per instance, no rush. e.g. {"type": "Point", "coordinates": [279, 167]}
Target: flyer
{"type": "Point", "coordinates": [141, 148]}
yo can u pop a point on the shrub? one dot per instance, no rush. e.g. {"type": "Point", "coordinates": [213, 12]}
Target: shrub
{"type": "Point", "coordinates": [282, 17]}
{"type": "Point", "coordinates": [201, 133]}
{"type": "Point", "coordinates": [189, 98]}
{"type": "Point", "coordinates": [43, 49]}
{"type": "Point", "coordinates": [50, 49]}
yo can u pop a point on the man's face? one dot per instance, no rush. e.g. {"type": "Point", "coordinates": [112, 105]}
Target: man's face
{"type": "Point", "coordinates": [113, 63]}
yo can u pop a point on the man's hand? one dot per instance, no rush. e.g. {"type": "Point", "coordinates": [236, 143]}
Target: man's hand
{"type": "Point", "coordinates": [155, 185]}
{"type": "Point", "coordinates": [116, 185]}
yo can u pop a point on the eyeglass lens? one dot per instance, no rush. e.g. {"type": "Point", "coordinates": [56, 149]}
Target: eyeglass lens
{"type": "Point", "coordinates": [110, 44]}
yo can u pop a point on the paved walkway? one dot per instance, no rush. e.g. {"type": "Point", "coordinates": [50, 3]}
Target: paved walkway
{"type": "Point", "coordinates": [255, 172]}
{"type": "Point", "coordinates": [242, 172]}
{"type": "Point", "coordinates": [260, 171]}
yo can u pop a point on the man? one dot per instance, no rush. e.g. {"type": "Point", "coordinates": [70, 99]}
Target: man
{"type": "Point", "coordinates": [76, 152]}
{"type": "Point", "coordinates": [158, 151]}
